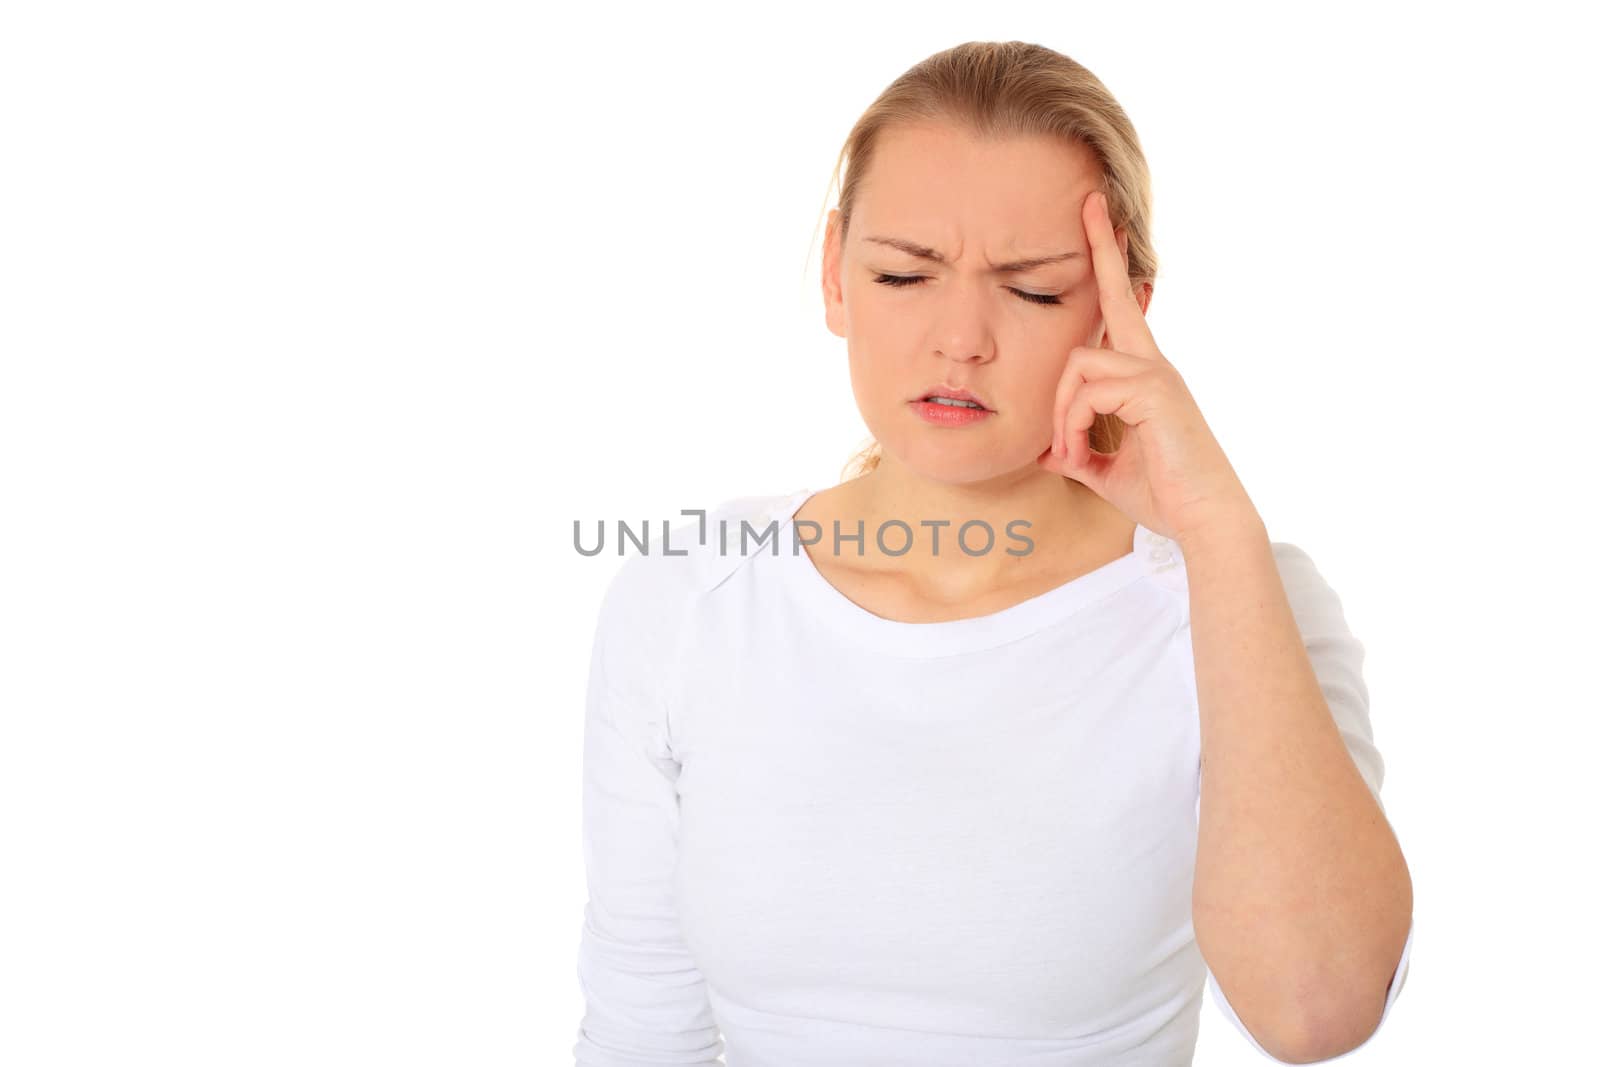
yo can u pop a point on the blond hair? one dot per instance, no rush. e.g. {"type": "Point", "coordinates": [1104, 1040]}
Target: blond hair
{"type": "Point", "coordinates": [1001, 89]}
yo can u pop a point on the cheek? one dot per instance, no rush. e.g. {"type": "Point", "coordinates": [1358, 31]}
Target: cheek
{"type": "Point", "coordinates": [878, 373]}
{"type": "Point", "coordinates": [1037, 378]}
{"type": "Point", "coordinates": [1047, 343]}
{"type": "Point", "coordinates": [874, 317]}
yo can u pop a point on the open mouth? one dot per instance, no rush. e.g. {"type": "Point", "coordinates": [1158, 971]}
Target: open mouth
{"type": "Point", "coordinates": [953, 396]}
{"type": "Point", "coordinates": [947, 401]}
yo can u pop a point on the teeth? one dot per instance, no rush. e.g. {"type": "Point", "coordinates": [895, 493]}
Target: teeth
{"type": "Point", "coordinates": [953, 403]}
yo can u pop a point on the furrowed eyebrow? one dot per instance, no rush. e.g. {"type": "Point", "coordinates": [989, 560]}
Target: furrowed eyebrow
{"type": "Point", "coordinates": [911, 248]}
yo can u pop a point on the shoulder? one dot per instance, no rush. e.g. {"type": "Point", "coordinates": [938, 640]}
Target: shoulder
{"type": "Point", "coordinates": [681, 560]}
{"type": "Point", "coordinates": [1316, 606]}
{"type": "Point", "coordinates": [646, 605]}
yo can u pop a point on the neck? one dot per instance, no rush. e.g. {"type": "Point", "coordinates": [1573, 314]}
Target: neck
{"type": "Point", "coordinates": [1062, 518]}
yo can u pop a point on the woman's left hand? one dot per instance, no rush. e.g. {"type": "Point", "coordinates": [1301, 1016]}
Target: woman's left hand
{"type": "Point", "coordinates": [1169, 473]}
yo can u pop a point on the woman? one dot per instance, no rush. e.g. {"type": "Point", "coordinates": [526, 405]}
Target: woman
{"type": "Point", "coordinates": [897, 787]}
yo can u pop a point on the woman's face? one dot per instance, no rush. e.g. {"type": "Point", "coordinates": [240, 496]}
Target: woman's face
{"type": "Point", "coordinates": [1003, 335]}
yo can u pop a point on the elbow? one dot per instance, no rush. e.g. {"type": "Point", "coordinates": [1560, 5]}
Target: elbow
{"type": "Point", "coordinates": [1330, 1027]}
{"type": "Point", "coordinates": [1321, 1045]}
{"type": "Point", "coordinates": [1327, 1013]}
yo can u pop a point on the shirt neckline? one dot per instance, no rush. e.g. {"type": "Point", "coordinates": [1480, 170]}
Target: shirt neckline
{"type": "Point", "coordinates": [922, 639]}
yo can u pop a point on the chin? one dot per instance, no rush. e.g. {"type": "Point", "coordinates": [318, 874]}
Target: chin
{"type": "Point", "coordinates": [959, 462]}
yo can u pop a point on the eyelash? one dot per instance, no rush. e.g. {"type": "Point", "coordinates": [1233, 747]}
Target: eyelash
{"type": "Point", "coordinates": [898, 281]}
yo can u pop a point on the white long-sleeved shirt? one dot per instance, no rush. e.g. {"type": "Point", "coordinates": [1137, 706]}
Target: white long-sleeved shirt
{"type": "Point", "coordinates": [815, 836]}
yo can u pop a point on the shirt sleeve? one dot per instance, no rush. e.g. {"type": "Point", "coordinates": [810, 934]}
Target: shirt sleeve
{"type": "Point", "coordinates": [645, 999]}
{"type": "Point", "coordinates": [1336, 657]}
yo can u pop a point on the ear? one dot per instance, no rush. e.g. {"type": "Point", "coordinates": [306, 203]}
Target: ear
{"type": "Point", "coordinates": [832, 288]}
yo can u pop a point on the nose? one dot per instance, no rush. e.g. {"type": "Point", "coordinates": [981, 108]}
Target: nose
{"type": "Point", "coordinates": [971, 355]}
{"type": "Point", "coordinates": [964, 334]}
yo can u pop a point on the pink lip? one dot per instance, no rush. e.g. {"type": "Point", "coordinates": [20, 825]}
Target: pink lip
{"type": "Point", "coordinates": [946, 415]}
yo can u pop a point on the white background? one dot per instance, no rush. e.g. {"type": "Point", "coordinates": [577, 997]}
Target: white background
{"type": "Point", "coordinates": [322, 322]}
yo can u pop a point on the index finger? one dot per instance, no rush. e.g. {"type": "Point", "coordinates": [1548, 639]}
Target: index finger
{"type": "Point", "coordinates": [1126, 328]}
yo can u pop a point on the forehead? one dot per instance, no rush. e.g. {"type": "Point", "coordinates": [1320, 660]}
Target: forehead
{"type": "Point", "coordinates": [941, 176]}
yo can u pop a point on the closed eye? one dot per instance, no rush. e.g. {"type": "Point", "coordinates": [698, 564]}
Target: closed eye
{"type": "Point", "coordinates": [899, 280]}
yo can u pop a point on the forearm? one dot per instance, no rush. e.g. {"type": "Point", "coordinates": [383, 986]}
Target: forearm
{"type": "Point", "coordinates": [1302, 898]}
